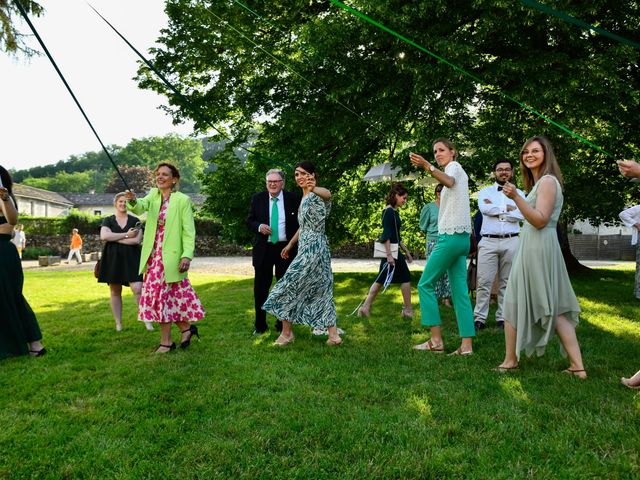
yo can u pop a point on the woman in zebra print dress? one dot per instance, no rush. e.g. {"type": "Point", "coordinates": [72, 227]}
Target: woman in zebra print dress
{"type": "Point", "coordinates": [305, 294]}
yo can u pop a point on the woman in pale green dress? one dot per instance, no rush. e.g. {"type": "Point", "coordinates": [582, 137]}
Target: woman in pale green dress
{"type": "Point", "coordinates": [304, 295]}
{"type": "Point", "coordinates": [539, 300]}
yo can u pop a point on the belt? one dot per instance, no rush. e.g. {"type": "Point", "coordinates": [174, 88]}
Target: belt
{"type": "Point", "coordinates": [508, 235]}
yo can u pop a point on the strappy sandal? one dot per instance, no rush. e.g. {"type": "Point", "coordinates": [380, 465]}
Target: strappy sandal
{"type": "Point", "coordinates": [430, 346]}
{"type": "Point", "coordinates": [460, 352]}
{"type": "Point", "coordinates": [501, 369]}
{"type": "Point", "coordinates": [281, 341]}
{"type": "Point", "coordinates": [406, 313]}
{"type": "Point", "coordinates": [576, 373]}
{"type": "Point", "coordinates": [627, 383]}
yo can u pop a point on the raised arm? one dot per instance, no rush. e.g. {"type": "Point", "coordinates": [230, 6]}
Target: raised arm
{"type": "Point", "coordinates": [9, 209]}
{"type": "Point", "coordinates": [418, 161]}
{"type": "Point", "coordinates": [538, 215]}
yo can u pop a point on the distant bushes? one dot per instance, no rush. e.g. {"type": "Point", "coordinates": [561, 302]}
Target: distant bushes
{"type": "Point", "coordinates": [87, 223]}
{"type": "Point", "coordinates": [32, 253]}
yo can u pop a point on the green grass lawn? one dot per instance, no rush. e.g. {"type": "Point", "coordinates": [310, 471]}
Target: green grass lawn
{"type": "Point", "coordinates": [100, 405]}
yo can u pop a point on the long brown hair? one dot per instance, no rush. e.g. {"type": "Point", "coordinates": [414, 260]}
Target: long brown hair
{"type": "Point", "coordinates": [550, 166]}
{"type": "Point", "coordinates": [396, 189]}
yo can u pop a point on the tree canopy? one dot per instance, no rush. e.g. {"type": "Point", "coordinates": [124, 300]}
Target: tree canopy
{"type": "Point", "coordinates": [318, 83]}
{"type": "Point", "coordinates": [12, 37]}
{"type": "Point", "coordinates": [91, 171]}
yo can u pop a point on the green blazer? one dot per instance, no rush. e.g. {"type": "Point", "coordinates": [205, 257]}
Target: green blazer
{"type": "Point", "coordinates": [179, 231]}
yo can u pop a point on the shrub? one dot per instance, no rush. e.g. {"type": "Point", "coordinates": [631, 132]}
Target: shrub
{"type": "Point", "coordinates": [32, 253]}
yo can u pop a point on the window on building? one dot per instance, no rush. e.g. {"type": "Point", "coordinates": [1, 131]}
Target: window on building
{"type": "Point", "coordinates": [97, 212]}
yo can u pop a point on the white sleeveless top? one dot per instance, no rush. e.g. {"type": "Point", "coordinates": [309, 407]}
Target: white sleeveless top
{"type": "Point", "coordinates": [455, 213]}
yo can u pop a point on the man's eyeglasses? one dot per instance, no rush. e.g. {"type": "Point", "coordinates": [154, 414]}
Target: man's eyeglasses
{"type": "Point", "coordinates": [503, 170]}
{"type": "Point", "coordinates": [274, 181]}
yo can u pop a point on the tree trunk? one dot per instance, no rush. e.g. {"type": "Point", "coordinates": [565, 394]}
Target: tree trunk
{"type": "Point", "coordinates": [572, 263]}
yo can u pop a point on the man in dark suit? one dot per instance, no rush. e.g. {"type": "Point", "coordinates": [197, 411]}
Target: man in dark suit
{"type": "Point", "coordinates": [274, 220]}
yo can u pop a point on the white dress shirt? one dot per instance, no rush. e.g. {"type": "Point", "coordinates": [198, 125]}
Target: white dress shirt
{"type": "Point", "coordinates": [282, 232]}
{"type": "Point", "coordinates": [629, 218]}
{"type": "Point", "coordinates": [496, 220]}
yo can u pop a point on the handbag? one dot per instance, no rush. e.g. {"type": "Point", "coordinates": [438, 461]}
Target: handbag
{"type": "Point", "coordinates": [379, 248]}
{"type": "Point", "coordinates": [96, 269]}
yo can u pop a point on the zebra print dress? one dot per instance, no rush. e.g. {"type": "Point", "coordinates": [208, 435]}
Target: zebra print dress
{"type": "Point", "coordinates": [304, 295]}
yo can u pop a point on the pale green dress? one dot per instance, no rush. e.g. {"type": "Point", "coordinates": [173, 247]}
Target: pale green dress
{"type": "Point", "coordinates": [539, 288]}
{"type": "Point", "coordinates": [304, 295]}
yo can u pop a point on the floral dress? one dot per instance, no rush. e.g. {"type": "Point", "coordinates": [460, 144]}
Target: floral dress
{"type": "Point", "coordinates": [305, 294]}
{"type": "Point", "coordinates": [161, 301]}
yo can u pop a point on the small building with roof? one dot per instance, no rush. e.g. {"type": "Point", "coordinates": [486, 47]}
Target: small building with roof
{"type": "Point", "coordinates": [36, 202]}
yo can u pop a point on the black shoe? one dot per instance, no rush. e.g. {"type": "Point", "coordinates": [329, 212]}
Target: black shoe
{"type": "Point", "coordinates": [257, 332]}
{"type": "Point", "coordinates": [170, 347]}
{"type": "Point", "coordinates": [193, 330]}
{"type": "Point", "coordinates": [500, 325]}
{"type": "Point", "coordinates": [38, 353]}
{"type": "Point", "coordinates": [479, 325]}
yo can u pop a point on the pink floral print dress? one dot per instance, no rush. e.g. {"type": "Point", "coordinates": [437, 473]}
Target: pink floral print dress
{"type": "Point", "coordinates": [161, 301]}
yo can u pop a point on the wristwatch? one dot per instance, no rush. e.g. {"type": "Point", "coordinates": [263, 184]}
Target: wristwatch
{"type": "Point", "coordinates": [432, 168]}
{"type": "Point", "coordinates": [126, 235]}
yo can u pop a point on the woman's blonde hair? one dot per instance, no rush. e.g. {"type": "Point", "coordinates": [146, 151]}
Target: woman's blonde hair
{"type": "Point", "coordinates": [550, 166]}
{"type": "Point", "coordinates": [118, 195]}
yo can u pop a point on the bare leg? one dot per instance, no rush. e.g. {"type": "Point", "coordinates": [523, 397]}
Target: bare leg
{"type": "Point", "coordinates": [334, 337]}
{"type": "Point", "coordinates": [286, 336]}
{"type": "Point", "coordinates": [436, 335]}
{"type": "Point", "coordinates": [510, 357]}
{"type": "Point", "coordinates": [365, 309]}
{"type": "Point", "coordinates": [567, 334]}
{"type": "Point", "coordinates": [407, 310]}
{"type": "Point", "coordinates": [136, 289]}
{"type": "Point", "coordinates": [116, 304]}
{"type": "Point", "coordinates": [165, 338]}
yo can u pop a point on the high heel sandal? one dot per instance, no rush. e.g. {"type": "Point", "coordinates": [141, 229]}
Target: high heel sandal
{"type": "Point", "coordinates": [170, 347]}
{"type": "Point", "coordinates": [193, 330]}
{"type": "Point", "coordinates": [38, 353]}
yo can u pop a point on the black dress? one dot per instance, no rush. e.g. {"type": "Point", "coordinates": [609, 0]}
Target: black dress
{"type": "Point", "coordinates": [391, 231]}
{"type": "Point", "coordinates": [120, 263]}
{"type": "Point", "coordinates": [18, 324]}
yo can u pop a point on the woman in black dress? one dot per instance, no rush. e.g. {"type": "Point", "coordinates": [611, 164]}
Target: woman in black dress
{"type": "Point", "coordinates": [121, 256]}
{"type": "Point", "coordinates": [391, 224]}
{"type": "Point", "coordinates": [19, 330]}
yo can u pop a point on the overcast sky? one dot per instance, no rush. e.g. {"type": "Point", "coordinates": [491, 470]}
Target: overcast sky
{"type": "Point", "coordinates": [39, 122]}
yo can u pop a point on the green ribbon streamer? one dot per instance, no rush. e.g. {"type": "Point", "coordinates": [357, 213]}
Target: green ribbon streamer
{"type": "Point", "coordinates": [580, 23]}
{"type": "Point", "coordinates": [368, 19]}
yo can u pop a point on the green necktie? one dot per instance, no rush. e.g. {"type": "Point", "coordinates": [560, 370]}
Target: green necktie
{"type": "Point", "coordinates": [274, 220]}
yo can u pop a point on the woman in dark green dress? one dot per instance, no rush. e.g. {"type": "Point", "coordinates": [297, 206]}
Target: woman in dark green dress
{"type": "Point", "coordinates": [121, 256]}
{"type": "Point", "coordinates": [391, 225]}
{"type": "Point", "coordinates": [19, 330]}
{"type": "Point", "coordinates": [304, 295]}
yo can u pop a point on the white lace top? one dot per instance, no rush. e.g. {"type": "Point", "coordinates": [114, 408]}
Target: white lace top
{"type": "Point", "coordinates": [455, 214]}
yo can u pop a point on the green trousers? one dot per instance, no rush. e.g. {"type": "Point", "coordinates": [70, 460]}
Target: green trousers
{"type": "Point", "coordinates": [449, 256]}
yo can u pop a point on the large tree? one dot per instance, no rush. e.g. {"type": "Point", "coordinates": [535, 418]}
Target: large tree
{"type": "Point", "coordinates": [328, 87]}
{"type": "Point", "coordinates": [12, 37]}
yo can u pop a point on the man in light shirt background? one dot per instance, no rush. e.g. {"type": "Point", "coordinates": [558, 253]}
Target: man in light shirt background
{"type": "Point", "coordinates": [500, 229]}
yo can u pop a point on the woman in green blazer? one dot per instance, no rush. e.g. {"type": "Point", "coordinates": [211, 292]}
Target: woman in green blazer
{"type": "Point", "coordinates": [167, 249]}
